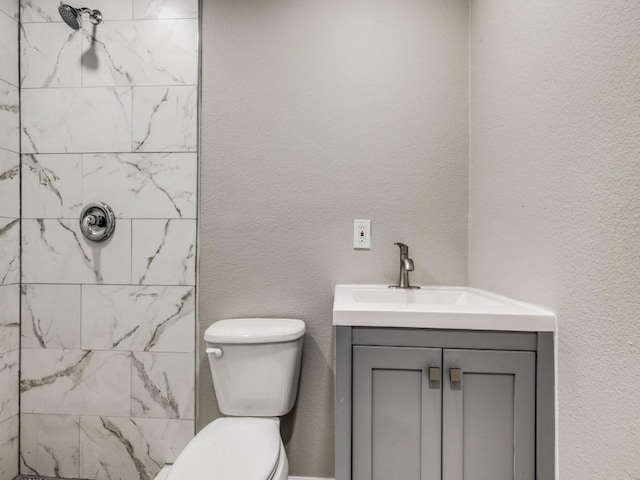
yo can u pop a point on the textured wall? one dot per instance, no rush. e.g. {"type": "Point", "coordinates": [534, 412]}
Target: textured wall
{"type": "Point", "coordinates": [9, 238]}
{"type": "Point", "coordinates": [314, 114]}
{"type": "Point", "coordinates": [555, 203]}
{"type": "Point", "coordinates": [110, 114]}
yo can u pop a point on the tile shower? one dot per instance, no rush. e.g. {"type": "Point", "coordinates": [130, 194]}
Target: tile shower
{"type": "Point", "coordinates": [107, 332]}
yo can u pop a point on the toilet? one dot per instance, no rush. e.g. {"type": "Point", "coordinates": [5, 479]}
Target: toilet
{"type": "Point", "coordinates": [255, 364]}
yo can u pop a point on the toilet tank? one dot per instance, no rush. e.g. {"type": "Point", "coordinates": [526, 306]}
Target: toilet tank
{"type": "Point", "coordinates": [255, 364]}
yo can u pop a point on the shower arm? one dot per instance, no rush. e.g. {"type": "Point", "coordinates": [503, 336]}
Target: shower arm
{"type": "Point", "coordinates": [94, 15]}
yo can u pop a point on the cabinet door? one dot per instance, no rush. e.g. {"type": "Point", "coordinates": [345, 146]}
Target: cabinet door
{"type": "Point", "coordinates": [488, 415]}
{"type": "Point", "coordinates": [396, 414]}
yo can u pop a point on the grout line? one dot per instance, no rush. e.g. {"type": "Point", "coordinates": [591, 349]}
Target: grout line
{"type": "Point", "coordinates": [131, 384]}
{"type": "Point", "coordinates": [196, 293]}
{"type": "Point", "coordinates": [117, 152]}
{"type": "Point", "coordinates": [103, 87]}
{"type": "Point", "coordinates": [155, 285]}
{"type": "Point", "coordinates": [20, 194]}
{"type": "Point", "coordinates": [76, 350]}
{"type": "Point", "coordinates": [109, 21]}
{"type": "Point", "coordinates": [131, 254]}
{"type": "Point", "coordinates": [79, 442]}
{"type": "Point", "coordinates": [95, 415]}
{"type": "Point", "coordinates": [132, 118]}
{"type": "Point", "coordinates": [81, 314]}
{"type": "Point", "coordinates": [162, 219]}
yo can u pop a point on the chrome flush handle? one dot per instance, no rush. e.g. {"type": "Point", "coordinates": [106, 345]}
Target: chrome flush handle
{"type": "Point", "coordinates": [215, 351]}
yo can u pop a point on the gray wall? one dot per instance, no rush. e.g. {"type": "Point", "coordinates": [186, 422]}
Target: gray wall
{"type": "Point", "coordinates": [555, 203]}
{"type": "Point", "coordinates": [314, 114]}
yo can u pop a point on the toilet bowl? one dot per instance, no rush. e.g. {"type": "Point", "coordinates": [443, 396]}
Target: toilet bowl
{"type": "Point", "coordinates": [255, 365]}
{"type": "Point", "coordinates": [234, 448]}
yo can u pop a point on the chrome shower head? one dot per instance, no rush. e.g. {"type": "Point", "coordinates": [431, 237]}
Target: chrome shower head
{"type": "Point", "coordinates": [73, 16]}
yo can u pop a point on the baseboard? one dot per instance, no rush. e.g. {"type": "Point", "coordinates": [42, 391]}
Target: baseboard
{"type": "Point", "coordinates": [309, 478]}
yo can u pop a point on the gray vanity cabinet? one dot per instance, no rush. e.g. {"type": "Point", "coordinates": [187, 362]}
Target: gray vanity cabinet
{"type": "Point", "coordinates": [397, 422]}
{"type": "Point", "coordinates": [489, 412]}
{"type": "Point", "coordinates": [442, 405]}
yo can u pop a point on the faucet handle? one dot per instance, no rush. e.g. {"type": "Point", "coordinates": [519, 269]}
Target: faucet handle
{"type": "Point", "coordinates": [408, 264]}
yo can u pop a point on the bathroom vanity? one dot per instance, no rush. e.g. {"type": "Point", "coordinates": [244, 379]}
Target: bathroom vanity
{"type": "Point", "coordinates": [444, 383]}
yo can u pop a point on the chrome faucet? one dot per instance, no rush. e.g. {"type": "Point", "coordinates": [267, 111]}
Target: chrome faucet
{"type": "Point", "coordinates": [406, 266]}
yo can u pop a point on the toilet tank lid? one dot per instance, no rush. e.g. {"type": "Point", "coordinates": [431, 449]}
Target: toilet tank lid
{"type": "Point", "coordinates": [255, 330]}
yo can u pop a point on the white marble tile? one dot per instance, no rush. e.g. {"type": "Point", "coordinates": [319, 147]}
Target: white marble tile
{"type": "Point", "coordinates": [50, 445]}
{"type": "Point", "coordinates": [39, 11]}
{"type": "Point", "coordinates": [11, 8]}
{"type": "Point", "coordinates": [9, 49]}
{"type": "Point", "coordinates": [128, 448]}
{"type": "Point", "coordinates": [76, 382]}
{"type": "Point", "coordinates": [163, 252]}
{"type": "Point", "coordinates": [9, 251]}
{"type": "Point", "coordinates": [165, 9]}
{"type": "Point", "coordinates": [9, 184]}
{"type": "Point", "coordinates": [54, 251]}
{"type": "Point", "coordinates": [163, 385]}
{"type": "Point", "coordinates": [67, 120]}
{"type": "Point", "coordinates": [9, 318]}
{"type": "Point", "coordinates": [9, 378]}
{"type": "Point", "coordinates": [51, 56]}
{"type": "Point", "coordinates": [47, 10]}
{"type": "Point", "coordinates": [138, 318]}
{"type": "Point", "coordinates": [9, 433]}
{"type": "Point", "coordinates": [165, 119]}
{"type": "Point", "coordinates": [143, 185]}
{"type": "Point", "coordinates": [9, 117]}
{"type": "Point", "coordinates": [52, 186]}
{"type": "Point", "coordinates": [162, 52]}
{"type": "Point", "coordinates": [50, 316]}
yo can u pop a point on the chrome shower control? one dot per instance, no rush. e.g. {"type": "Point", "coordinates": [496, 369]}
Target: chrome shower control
{"type": "Point", "coordinates": [97, 222]}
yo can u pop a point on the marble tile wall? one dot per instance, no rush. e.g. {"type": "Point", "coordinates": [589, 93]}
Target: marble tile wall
{"type": "Point", "coordinates": [108, 331]}
{"type": "Point", "coordinates": [9, 238]}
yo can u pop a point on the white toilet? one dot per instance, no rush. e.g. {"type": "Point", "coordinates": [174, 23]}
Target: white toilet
{"type": "Point", "coordinates": [255, 364]}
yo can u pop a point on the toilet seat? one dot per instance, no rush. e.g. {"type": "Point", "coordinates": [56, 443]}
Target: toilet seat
{"type": "Point", "coordinates": [236, 448]}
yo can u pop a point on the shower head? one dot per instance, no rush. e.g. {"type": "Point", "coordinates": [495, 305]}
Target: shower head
{"type": "Point", "coordinates": [73, 16]}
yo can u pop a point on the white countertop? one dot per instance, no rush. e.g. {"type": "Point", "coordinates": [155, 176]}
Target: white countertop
{"type": "Point", "coordinates": [451, 308]}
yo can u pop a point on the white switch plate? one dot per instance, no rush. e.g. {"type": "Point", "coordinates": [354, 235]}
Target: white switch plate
{"type": "Point", "coordinates": [362, 234]}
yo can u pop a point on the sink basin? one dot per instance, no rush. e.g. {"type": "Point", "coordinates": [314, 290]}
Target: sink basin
{"type": "Point", "coordinates": [436, 307]}
{"type": "Point", "coordinates": [423, 297]}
